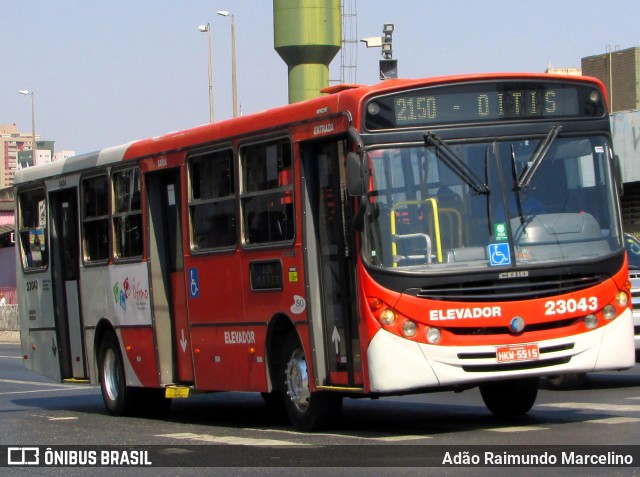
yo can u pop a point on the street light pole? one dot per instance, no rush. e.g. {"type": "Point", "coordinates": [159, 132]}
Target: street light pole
{"type": "Point", "coordinates": [207, 29]}
{"type": "Point", "coordinates": [234, 84]}
{"type": "Point", "coordinates": [34, 146]}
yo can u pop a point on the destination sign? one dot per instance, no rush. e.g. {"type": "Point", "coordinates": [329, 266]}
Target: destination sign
{"type": "Point", "coordinates": [484, 102]}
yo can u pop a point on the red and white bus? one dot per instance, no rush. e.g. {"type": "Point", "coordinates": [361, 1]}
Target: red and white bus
{"type": "Point", "coordinates": [416, 235]}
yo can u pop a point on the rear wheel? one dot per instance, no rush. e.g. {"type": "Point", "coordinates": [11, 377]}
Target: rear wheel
{"type": "Point", "coordinates": [513, 397]}
{"type": "Point", "coordinates": [307, 410]}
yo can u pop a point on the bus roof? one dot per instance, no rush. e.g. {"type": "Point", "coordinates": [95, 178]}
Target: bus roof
{"type": "Point", "coordinates": [336, 100]}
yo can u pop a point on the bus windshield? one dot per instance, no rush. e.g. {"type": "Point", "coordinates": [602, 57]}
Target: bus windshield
{"type": "Point", "coordinates": [444, 205]}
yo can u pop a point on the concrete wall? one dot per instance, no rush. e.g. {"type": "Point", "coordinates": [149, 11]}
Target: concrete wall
{"type": "Point", "coordinates": [9, 318]}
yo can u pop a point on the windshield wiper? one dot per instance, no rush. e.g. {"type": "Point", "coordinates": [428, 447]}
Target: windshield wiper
{"type": "Point", "coordinates": [456, 164]}
{"type": "Point", "coordinates": [516, 189]}
{"type": "Point", "coordinates": [537, 157]}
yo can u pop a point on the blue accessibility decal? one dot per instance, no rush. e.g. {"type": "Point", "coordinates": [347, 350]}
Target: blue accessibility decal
{"type": "Point", "coordinates": [194, 285]}
{"type": "Point", "coordinates": [499, 254]}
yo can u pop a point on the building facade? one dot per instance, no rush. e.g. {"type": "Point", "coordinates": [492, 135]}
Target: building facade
{"type": "Point", "coordinates": [12, 141]}
{"type": "Point", "coordinates": [619, 70]}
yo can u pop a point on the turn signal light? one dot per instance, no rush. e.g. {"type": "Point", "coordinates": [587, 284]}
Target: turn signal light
{"type": "Point", "coordinates": [387, 316]}
{"type": "Point", "coordinates": [622, 299]}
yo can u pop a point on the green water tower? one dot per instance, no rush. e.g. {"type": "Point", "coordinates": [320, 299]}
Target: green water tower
{"type": "Point", "coordinates": [307, 35]}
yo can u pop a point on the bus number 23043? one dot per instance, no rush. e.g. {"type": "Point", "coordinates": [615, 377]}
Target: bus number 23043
{"type": "Point", "coordinates": [560, 307]}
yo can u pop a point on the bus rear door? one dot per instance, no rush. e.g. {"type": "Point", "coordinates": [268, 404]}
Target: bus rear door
{"type": "Point", "coordinates": [65, 274]}
{"type": "Point", "coordinates": [167, 276]}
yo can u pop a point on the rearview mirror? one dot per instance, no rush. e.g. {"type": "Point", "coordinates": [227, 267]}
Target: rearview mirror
{"type": "Point", "coordinates": [617, 174]}
{"type": "Point", "coordinates": [355, 185]}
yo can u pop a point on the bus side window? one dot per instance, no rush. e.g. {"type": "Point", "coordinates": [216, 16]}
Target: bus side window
{"type": "Point", "coordinates": [33, 229]}
{"type": "Point", "coordinates": [212, 211]}
{"type": "Point", "coordinates": [95, 219]}
{"type": "Point", "coordinates": [127, 215]}
{"type": "Point", "coordinates": [267, 192]}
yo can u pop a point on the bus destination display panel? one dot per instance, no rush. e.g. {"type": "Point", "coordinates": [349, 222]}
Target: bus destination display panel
{"type": "Point", "coordinates": [484, 102]}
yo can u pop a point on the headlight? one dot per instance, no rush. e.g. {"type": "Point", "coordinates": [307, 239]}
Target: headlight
{"type": "Point", "coordinates": [433, 335]}
{"type": "Point", "coordinates": [609, 312]}
{"type": "Point", "coordinates": [409, 328]}
{"type": "Point", "coordinates": [591, 321]}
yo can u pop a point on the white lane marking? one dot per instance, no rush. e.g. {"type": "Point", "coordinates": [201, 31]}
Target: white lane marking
{"type": "Point", "coordinates": [592, 406]}
{"type": "Point", "coordinates": [51, 387]}
{"type": "Point", "coordinates": [37, 383]}
{"type": "Point", "coordinates": [614, 420]}
{"type": "Point", "coordinates": [345, 436]}
{"type": "Point", "coordinates": [518, 429]}
{"type": "Point", "coordinates": [53, 418]}
{"type": "Point", "coordinates": [11, 357]}
{"type": "Point", "coordinates": [231, 440]}
{"type": "Point", "coordinates": [50, 390]}
{"type": "Point", "coordinates": [396, 438]}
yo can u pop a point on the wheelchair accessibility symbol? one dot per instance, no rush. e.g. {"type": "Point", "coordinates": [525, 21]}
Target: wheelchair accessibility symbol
{"type": "Point", "coordinates": [194, 285]}
{"type": "Point", "coordinates": [499, 254]}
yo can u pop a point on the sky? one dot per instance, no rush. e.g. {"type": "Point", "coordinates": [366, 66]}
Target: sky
{"type": "Point", "coordinates": [105, 73]}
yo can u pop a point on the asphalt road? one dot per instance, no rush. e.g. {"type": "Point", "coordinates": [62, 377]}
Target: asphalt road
{"type": "Point", "coordinates": [236, 434]}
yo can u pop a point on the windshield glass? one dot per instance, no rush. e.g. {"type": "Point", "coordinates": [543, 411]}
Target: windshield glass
{"type": "Point", "coordinates": [440, 206]}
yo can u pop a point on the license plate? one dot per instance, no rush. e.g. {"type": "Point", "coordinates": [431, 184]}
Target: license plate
{"type": "Point", "coordinates": [507, 354]}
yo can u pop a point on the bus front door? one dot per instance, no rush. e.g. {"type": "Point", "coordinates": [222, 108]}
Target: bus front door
{"type": "Point", "coordinates": [330, 258]}
{"type": "Point", "coordinates": [65, 272]}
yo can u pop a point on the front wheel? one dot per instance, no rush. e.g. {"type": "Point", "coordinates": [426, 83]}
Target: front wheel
{"type": "Point", "coordinates": [567, 382]}
{"type": "Point", "coordinates": [307, 410]}
{"type": "Point", "coordinates": [118, 398]}
{"type": "Point", "coordinates": [513, 397]}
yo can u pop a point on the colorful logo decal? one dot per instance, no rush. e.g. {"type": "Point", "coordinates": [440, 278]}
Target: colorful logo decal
{"type": "Point", "coordinates": [130, 289]}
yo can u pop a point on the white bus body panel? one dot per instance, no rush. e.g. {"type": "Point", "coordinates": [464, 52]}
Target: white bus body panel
{"type": "Point", "coordinates": [397, 364]}
{"type": "Point", "coordinates": [120, 294]}
{"type": "Point", "coordinates": [38, 331]}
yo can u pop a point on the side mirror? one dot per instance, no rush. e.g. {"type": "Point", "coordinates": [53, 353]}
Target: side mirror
{"type": "Point", "coordinates": [617, 174]}
{"type": "Point", "coordinates": [355, 183]}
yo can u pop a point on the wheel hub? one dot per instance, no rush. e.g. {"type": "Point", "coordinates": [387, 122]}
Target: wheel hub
{"type": "Point", "coordinates": [297, 381]}
{"type": "Point", "coordinates": [110, 374]}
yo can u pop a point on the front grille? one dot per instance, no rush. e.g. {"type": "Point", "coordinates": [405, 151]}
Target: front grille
{"type": "Point", "coordinates": [517, 366]}
{"type": "Point", "coordinates": [504, 330]}
{"type": "Point", "coordinates": [492, 354]}
{"type": "Point", "coordinates": [510, 289]}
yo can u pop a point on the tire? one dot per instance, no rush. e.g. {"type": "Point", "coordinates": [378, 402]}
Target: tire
{"type": "Point", "coordinates": [566, 382]}
{"type": "Point", "coordinates": [307, 411]}
{"type": "Point", "coordinates": [117, 397]}
{"type": "Point", "coordinates": [510, 398]}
